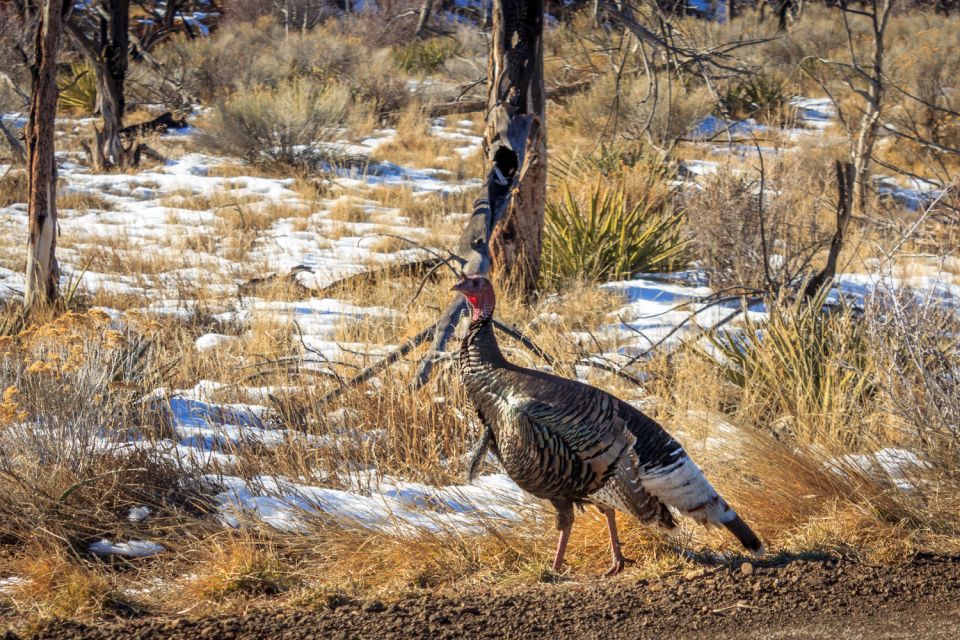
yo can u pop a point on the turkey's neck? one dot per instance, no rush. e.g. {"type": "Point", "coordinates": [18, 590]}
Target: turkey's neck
{"type": "Point", "coordinates": [480, 357]}
{"type": "Point", "coordinates": [480, 346]}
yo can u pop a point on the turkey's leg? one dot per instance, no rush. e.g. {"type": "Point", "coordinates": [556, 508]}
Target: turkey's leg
{"type": "Point", "coordinates": [564, 526]}
{"type": "Point", "coordinates": [618, 559]}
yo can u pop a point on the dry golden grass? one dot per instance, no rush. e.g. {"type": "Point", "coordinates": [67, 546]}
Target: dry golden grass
{"type": "Point", "coordinates": [56, 585]}
{"type": "Point", "coordinates": [780, 461]}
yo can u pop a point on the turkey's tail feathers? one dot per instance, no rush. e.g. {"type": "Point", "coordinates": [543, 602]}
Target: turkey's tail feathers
{"type": "Point", "coordinates": [745, 535]}
{"type": "Point", "coordinates": [681, 485]}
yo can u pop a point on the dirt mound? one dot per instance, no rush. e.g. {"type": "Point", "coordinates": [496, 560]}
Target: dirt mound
{"type": "Point", "coordinates": [803, 599]}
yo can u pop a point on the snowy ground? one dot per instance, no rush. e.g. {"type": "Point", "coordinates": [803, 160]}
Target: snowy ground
{"type": "Point", "coordinates": [145, 211]}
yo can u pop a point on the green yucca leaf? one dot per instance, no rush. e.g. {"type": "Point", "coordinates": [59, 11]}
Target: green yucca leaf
{"type": "Point", "coordinates": [602, 237]}
{"type": "Point", "coordinates": [78, 93]}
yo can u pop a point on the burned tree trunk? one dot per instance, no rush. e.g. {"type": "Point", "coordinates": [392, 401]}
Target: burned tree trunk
{"type": "Point", "coordinates": [516, 91]}
{"type": "Point", "coordinates": [41, 270]}
{"type": "Point", "coordinates": [506, 226]}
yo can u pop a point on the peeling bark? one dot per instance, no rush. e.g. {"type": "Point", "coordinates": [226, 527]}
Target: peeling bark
{"type": "Point", "coordinates": [42, 273]}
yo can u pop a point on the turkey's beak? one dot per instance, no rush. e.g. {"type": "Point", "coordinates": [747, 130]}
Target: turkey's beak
{"type": "Point", "coordinates": [459, 286]}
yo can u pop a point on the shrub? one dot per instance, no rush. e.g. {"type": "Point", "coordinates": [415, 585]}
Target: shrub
{"type": "Point", "coordinates": [424, 56]}
{"type": "Point", "coordinates": [13, 188]}
{"type": "Point", "coordinates": [724, 218]}
{"type": "Point", "coordinates": [68, 470]}
{"type": "Point", "coordinates": [293, 124]}
{"type": "Point", "coordinates": [604, 237]}
{"type": "Point", "coordinates": [758, 96]}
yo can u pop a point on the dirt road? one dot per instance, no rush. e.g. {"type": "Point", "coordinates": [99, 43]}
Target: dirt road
{"type": "Point", "coordinates": [816, 599]}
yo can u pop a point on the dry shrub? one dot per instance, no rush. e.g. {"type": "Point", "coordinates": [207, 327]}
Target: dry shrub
{"type": "Point", "coordinates": [69, 470]}
{"type": "Point", "coordinates": [739, 242]}
{"type": "Point", "coordinates": [923, 65]}
{"type": "Point", "coordinates": [247, 57]}
{"type": "Point", "coordinates": [293, 124]}
{"type": "Point", "coordinates": [421, 57]}
{"type": "Point", "coordinates": [13, 188]}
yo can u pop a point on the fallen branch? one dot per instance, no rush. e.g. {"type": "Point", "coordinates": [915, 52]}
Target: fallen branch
{"type": "Point", "coordinates": [517, 335]}
{"type": "Point", "coordinates": [380, 365]}
{"type": "Point", "coordinates": [557, 94]}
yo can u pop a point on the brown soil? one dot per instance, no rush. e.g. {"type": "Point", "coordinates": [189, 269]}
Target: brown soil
{"type": "Point", "coordinates": [802, 599]}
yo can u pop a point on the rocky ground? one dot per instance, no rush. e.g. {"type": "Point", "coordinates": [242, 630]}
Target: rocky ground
{"type": "Point", "coordinates": [799, 599]}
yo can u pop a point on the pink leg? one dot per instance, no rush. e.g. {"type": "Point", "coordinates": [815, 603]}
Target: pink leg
{"type": "Point", "coordinates": [562, 547]}
{"type": "Point", "coordinates": [564, 526]}
{"type": "Point", "coordinates": [618, 559]}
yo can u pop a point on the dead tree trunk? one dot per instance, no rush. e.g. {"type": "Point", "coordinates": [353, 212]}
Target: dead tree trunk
{"type": "Point", "coordinates": [861, 153]}
{"type": "Point", "coordinates": [515, 151]}
{"type": "Point", "coordinates": [845, 180]}
{"type": "Point", "coordinates": [107, 53]}
{"type": "Point", "coordinates": [516, 90]}
{"type": "Point", "coordinates": [42, 274]}
{"type": "Point", "coordinates": [514, 133]}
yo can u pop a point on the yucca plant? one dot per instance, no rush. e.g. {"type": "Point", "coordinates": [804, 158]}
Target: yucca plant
{"type": "Point", "coordinates": [603, 237]}
{"type": "Point", "coordinates": [758, 96]}
{"type": "Point", "coordinates": [807, 364]}
{"type": "Point", "coordinates": [78, 93]}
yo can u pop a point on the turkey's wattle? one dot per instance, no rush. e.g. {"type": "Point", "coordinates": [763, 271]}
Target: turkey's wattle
{"type": "Point", "coordinates": [573, 444]}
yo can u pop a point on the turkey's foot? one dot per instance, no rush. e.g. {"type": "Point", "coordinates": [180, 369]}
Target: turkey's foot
{"type": "Point", "coordinates": [618, 565]}
{"type": "Point", "coordinates": [618, 560]}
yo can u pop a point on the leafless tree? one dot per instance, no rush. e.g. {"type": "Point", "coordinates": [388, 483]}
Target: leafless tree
{"type": "Point", "coordinates": [41, 271]}
{"type": "Point", "coordinates": [867, 81]}
{"type": "Point", "coordinates": [101, 30]}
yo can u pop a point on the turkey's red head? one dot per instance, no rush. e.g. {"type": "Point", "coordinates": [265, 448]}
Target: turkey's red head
{"type": "Point", "coordinates": [479, 293]}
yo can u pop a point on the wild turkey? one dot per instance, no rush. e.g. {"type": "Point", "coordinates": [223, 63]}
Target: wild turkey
{"type": "Point", "coordinates": [573, 444]}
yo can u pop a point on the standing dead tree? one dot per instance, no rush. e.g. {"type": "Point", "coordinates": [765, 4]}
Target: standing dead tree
{"type": "Point", "coordinates": [513, 134]}
{"type": "Point", "coordinates": [865, 79]}
{"type": "Point", "coordinates": [845, 172]}
{"type": "Point", "coordinates": [42, 274]}
{"type": "Point", "coordinates": [515, 93]}
{"type": "Point", "coordinates": [101, 31]}
{"type": "Point", "coordinates": [877, 13]}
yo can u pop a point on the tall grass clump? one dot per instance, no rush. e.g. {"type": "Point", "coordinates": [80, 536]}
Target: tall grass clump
{"type": "Point", "coordinates": [293, 124]}
{"type": "Point", "coordinates": [846, 422]}
{"type": "Point", "coordinates": [602, 235]}
{"type": "Point", "coordinates": [808, 371]}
